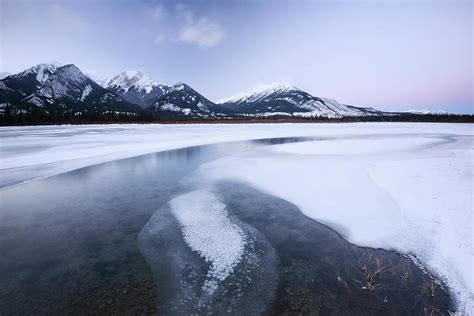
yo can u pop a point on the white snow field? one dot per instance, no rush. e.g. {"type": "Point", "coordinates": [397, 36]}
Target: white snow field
{"type": "Point", "coordinates": [34, 152]}
{"type": "Point", "coordinates": [402, 186]}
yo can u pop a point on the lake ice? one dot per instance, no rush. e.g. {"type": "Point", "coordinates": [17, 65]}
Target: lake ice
{"type": "Point", "coordinates": [407, 187]}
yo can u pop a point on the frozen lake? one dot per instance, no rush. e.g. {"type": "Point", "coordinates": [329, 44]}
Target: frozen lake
{"type": "Point", "coordinates": [269, 225]}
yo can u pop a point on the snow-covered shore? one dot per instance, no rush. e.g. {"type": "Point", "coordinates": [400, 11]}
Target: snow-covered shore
{"type": "Point", "coordinates": [402, 186]}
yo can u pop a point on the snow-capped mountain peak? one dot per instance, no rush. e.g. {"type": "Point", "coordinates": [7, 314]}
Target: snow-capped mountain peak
{"type": "Point", "coordinates": [47, 86]}
{"type": "Point", "coordinates": [259, 92]}
{"type": "Point", "coordinates": [181, 100]}
{"type": "Point", "coordinates": [135, 87]}
{"type": "Point", "coordinates": [4, 74]}
{"type": "Point", "coordinates": [41, 72]}
{"type": "Point", "coordinates": [179, 87]}
{"type": "Point", "coordinates": [287, 100]}
{"type": "Point", "coordinates": [54, 63]}
{"type": "Point", "coordinates": [71, 72]}
{"type": "Point", "coordinates": [425, 111]}
{"type": "Point", "coordinates": [67, 82]}
{"type": "Point", "coordinates": [132, 78]}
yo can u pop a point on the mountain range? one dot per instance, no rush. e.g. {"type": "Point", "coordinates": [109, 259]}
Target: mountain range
{"type": "Point", "coordinates": [53, 88]}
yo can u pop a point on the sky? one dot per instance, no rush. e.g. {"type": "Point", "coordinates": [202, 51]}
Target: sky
{"type": "Point", "coordinates": [388, 54]}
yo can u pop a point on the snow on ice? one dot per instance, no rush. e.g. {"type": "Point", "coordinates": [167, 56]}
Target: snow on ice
{"type": "Point", "coordinates": [209, 232]}
{"type": "Point", "coordinates": [401, 186]}
{"type": "Point", "coordinates": [412, 194]}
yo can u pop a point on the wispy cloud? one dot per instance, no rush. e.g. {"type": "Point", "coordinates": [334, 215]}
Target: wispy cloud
{"type": "Point", "coordinates": [202, 32]}
{"type": "Point", "coordinates": [181, 23]}
{"type": "Point", "coordinates": [157, 11]}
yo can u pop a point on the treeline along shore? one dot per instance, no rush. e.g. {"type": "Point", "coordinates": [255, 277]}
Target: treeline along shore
{"type": "Point", "coordinates": [8, 118]}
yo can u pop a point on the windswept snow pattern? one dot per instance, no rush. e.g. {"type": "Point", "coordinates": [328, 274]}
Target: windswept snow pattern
{"type": "Point", "coordinates": [410, 193]}
{"type": "Point", "coordinates": [208, 231]}
{"type": "Point", "coordinates": [32, 152]}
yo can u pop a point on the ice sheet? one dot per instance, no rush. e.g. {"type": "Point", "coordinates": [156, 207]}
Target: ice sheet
{"type": "Point", "coordinates": [411, 194]}
{"type": "Point", "coordinates": [33, 152]}
{"type": "Point", "coordinates": [209, 232]}
{"type": "Point", "coordinates": [410, 190]}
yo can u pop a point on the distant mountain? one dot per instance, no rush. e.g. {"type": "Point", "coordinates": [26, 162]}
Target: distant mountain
{"type": "Point", "coordinates": [424, 112]}
{"type": "Point", "coordinates": [136, 88]}
{"type": "Point", "coordinates": [53, 88]}
{"type": "Point", "coordinates": [287, 100]}
{"type": "Point", "coordinates": [101, 81]}
{"type": "Point", "coordinates": [181, 100]}
{"type": "Point", "coordinates": [4, 74]}
{"type": "Point", "coordinates": [48, 87]}
{"type": "Point", "coordinates": [16, 87]}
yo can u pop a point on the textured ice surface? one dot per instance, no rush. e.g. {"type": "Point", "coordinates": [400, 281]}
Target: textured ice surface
{"type": "Point", "coordinates": [434, 194]}
{"type": "Point", "coordinates": [410, 190]}
{"type": "Point", "coordinates": [33, 152]}
{"type": "Point", "coordinates": [209, 232]}
{"type": "Point", "coordinates": [410, 193]}
{"type": "Point", "coordinates": [241, 283]}
{"type": "Point", "coordinates": [365, 146]}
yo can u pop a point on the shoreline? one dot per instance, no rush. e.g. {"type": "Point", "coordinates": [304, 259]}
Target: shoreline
{"type": "Point", "coordinates": [404, 118]}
